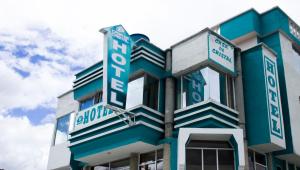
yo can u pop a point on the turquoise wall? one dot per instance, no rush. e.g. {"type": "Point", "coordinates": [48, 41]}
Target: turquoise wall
{"type": "Point", "coordinates": [241, 25]}
{"type": "Point", "coordinates": [256, 111]}
{"type": "Point", "coordinates": [273, 41]}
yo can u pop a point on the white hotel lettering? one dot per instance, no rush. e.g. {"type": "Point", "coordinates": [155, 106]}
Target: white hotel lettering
{"type": "Point", "coordinates": [119, 60]}
{"type": "Point", "coordinates": [273, 96]}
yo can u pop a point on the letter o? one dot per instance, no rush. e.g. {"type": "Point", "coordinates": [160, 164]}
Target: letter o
{"type": "Point", "coordinates": [271, 81]}
{"type": "Point", "coordinates": [196, 96]}
{"type": "Point", "coordinates": [119, 59]}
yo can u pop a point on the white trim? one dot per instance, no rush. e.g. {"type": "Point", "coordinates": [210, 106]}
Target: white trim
{"type": "Point", "coordinates": [149, 125]}
{"type": "Point", "coordinates": [147, 108]}
{"type": "Point", "coordinates": [203, 118]}
{"type": "Point", "coordinates": [99, 135]}
{"type": "Point", "coordinates": [141, 47]}
{"type": "Point", "coordinates": [149, 117]}
{"type": "Point", "coordinates": [100, 75]}
{"type": "Point", "coordinates": [89, 76]}
{"type": "Point", "coordinates": [105, 60]}
{"type": "Point", "coordinates": [149, 54]}
{"type": "Point", "coordinates": [149, 59]}
{"type": "Point", "coordinates": [115, 130]}
{"type": "Point", "coordinates": [205, 102]}
{"type": "Point", "coordinates": [98, 128]}
{"type": "Point", "coordinates": [206, 133]}
{"type": "Point", "coordinates": [205, 109]}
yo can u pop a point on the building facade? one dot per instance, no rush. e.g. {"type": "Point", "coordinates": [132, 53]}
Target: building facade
{"type": "Point", "coordinates": [225, 98]}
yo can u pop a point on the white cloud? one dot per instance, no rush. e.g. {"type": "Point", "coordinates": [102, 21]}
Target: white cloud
{"type": "Point", "coordinates": [22, 145]}
{"type": "Point", "coordinates": [48, 77]}
{"type": "Point", "coordinates": [49, 118]}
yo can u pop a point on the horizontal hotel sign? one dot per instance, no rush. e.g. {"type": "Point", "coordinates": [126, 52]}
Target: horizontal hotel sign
{"type": "Point", "coordinates": [91, 116]}
{"type": "Point", "coordinates": [205, 48]}
{"type": "Point", "coordinates": [221, 52]}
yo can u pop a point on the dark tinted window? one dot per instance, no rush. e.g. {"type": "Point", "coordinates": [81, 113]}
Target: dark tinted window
{"type": "Point", "coordinates": [226, 159]}
{"type": "Point", "coordinates": [209, 159]}
{"type": "Point", "coordinates": [208, 144]}
{"type": "Point", "coordinates": [193, 159]}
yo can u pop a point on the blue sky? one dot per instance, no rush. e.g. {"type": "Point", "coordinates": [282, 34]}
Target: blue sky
{"type": "Point", "coordinates": [44, 43]}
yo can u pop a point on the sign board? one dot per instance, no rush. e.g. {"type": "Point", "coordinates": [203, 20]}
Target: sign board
{"type": "Point", "coordinates": [220, 52]}
{"type": "Point", "coordinates": [92, 115]}
{"type": "Point", "coordinates": [273, 99]}
{"type": "Point", "coordinates": [116, 65]}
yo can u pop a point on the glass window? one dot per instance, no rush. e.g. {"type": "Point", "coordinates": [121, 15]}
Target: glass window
{"type": "Point", "coordinates": [209, 159]}
{"type": "Point", "coordinates": [260, 158]}
{"type": "Point", "coordinates": [194, 159]}
{"type": "Point", "coordinates": [147, 161]}
{"type": "Point", "coordinates": [226, 159]}
{"type": "Point", "coordinates": [135, 93]}
{"type": "Point", "coordinates": [256, 160]}
{"type": "Point", "coordinates": [96, 98]}
{"type": "Point", "coordinates": [208, 144]}
{"type": "Point", "coordinates": [209, 155]}
{"type": "Point", "coordinates": [101, 167]}
{"type": "Point", "coordinates": [120, 165]}
{"type": "Point", "coordinates": [151, 92]}
{"type": "Point", "coordinates": [143, 90]}
{"type": "Point", "coordinates": [251, 160]}
{"type": "Point", "coordinates": [151, 161]}
{"type": "Point", "coordinates": [204, 84]}
{"type": "Point", "coordinates": [62, 129]}
{"type": "Point", "coordinates": [86, 103]}
{"type": "Point", "coordinates": [291, 167]}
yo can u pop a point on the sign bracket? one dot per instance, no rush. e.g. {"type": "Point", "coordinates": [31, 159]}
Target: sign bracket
{"type": "Point", "coordinates": [126, 116]}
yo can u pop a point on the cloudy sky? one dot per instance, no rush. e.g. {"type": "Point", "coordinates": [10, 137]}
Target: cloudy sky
{"type": "Point", "coordinates": [44, 42]}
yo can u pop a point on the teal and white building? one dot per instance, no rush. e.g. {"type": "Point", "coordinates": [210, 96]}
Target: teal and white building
{"type": "Point", "coordinates": [225, 98]}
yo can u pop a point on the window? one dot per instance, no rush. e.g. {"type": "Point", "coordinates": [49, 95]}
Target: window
{"type": "Point", "coordinates": [96, 98]}
{"type": "Point", "coordinates": [204, 84]}
{"type": "Point", "coordinates": [209, 155]}
{"type": "Point", "coordinates": [151, 161]}
{"type": "Point", "coordinates": [135, 92]}
{"type": "Point", "coordinates": [120, 165]}
{"type": "Point", "coordinates": [143, 90]}
{"type": "Point", "coordinates": [116, 165]}
{"type": "Point", "coordinates": [257, 161]}
{"type": "Point", "coordinates": [62, 129]}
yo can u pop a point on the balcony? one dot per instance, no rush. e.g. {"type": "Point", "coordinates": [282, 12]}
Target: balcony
{"type": "Point", "coordinates": [101, 134]}
{"type": "Point", "coordinates": [206, 114]}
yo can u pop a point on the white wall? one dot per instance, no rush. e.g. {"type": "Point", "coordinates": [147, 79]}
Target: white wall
{"type": "Point", "coordinates": [66, 104]}
{"type": "Point", "coordinates": [291, 62]}
{"type": "Point", "coordinates": [189, 53]}
{"type": "Point", "coordinates": [247, 41]}
{"type": "Point", "coordinates": [59, 155]}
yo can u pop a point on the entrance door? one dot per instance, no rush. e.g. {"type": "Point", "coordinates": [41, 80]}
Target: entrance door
{"type": "Point", "coordinates": [209, 155]}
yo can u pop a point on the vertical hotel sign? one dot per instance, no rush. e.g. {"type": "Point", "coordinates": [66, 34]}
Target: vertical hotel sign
{"type": "Point", "coordinates": [220, 52]}
{"type": "Point", "coordinates": [116, 65]}
{"type": "Point", "coordinates": [273, 99]}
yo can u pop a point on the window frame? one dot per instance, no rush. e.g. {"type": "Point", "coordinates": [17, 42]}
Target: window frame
{"type": "Point", "coordinates": [54, 142]}
{"type": "Point", "coordinates": [156, 160]}
{"type": "Point", "coordinates": [228, 77]}
{"type": "Point", "coordinates": [254, 159]}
